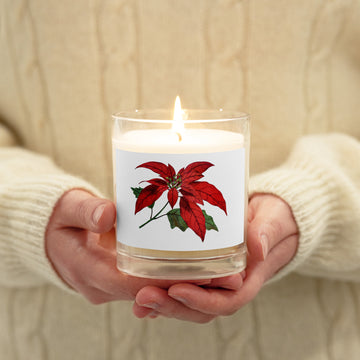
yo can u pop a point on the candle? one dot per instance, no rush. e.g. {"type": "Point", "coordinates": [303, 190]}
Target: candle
{"type": "Point", "coordinates": [181, 192]}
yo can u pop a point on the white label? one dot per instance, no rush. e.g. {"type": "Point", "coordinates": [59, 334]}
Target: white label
{"type": "Point", "coordinates": [180, 202]}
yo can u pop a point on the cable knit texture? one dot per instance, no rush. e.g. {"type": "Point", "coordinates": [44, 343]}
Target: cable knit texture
{"type": "Point", "coordinates": [30, 186]}
{"type": "Point", "coordinates": [320, 184]}
{"type": "Point", "coordinates": [293, 65]}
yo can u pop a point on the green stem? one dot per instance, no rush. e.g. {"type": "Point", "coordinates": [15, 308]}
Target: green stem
{"type": "Point", "coordinates": [155, 217]}
{"type": "Point", "coordinates": [161, 216]}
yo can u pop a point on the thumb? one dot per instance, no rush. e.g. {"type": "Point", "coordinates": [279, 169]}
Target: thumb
{"type": "Point", "coordinates": [271, 222]}
{"type": "Point", "coordinates": [80, 209]}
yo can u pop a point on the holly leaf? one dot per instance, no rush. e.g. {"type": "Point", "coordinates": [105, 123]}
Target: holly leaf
{"type": "Point", "coordinates": [176, 220]}
{"type": "Point", "coordinates": [209, 222]}
{"type": "Point", "coordinates": [136, 191]}
{"type": "Point", "coordinates": [193, 216]}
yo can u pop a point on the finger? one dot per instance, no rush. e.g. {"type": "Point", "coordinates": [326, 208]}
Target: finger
{"type": "Point", "coordinates": [218, 302]}
{"type": "Point", "coordinates": [98, 269]}
{"type": "Point", "coordinates": [271, 221]}
{"type": "Point", "coordinates": [107, 241]}
{"type": "Point", "coordinates": [94, 295]}
{"type": "Point", "coordinates": [232, 282]}
{"type": "Point", "coordinates": [158, 300]}
{"type": "Point", "coordinates": [80, 209]}
{"type": "Point", "coordinates": [142, 311]}
{"type": "Point", "coordinates": [206, 300]}
{"type": "Point", "coordinates": [226, 302]}
{"type": "Point", "coordinates": [85, 259]}
{"type": "Point", "coordinates": [279, 257]}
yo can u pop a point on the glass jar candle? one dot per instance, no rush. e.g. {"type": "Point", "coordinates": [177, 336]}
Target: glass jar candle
{"type": "Point", "coordinates": [180, 184]}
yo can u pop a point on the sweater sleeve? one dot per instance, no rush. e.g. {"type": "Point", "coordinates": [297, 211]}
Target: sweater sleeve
{"type": "Point", "coordinates": [30, 186]}
{"type": "Point", "coordinates": [321, 183]}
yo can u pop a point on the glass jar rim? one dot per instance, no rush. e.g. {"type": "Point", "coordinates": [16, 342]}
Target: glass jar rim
{"type": "Point", "coordinates": [201, 115]}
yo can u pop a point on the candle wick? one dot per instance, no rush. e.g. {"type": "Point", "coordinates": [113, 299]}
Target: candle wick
{"type": "Point", "coordinates": [179, 135]}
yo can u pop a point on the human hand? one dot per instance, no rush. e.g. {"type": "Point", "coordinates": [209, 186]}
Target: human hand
{"type": "Point", "coordinates": [272, 242]}
{"type": "Point", "coordinates": [80, 243]}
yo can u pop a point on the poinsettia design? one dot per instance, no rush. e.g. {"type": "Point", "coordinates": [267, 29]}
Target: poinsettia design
{"type": "Point", "coordinates": [183, 186]}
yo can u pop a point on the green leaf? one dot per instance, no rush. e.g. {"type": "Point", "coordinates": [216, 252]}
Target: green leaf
{"type": "Point", "coordinates": [176, 220]}
{"type": "Point", "coordinates": [209, 222]}
{"type": "Point", "coordinates": [136, 191]}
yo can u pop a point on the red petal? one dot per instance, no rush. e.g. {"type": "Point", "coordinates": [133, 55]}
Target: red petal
{"type": "Point", "coordinates": [197, 167]}
{"type": "Point", "coordinates": [193, 217]}
{"type": "Point", "coordinates": [173, 197]}
{"type": "Point", "coordinates": [158, 182]}
{"type": "Point", "coordinates": [171, 171]}
{"type": "Point", "coordinates": [210, 194]}
{"type": "Point", "coordinates": [187, 179]}
{"type": "Point", "coordinates": [188, 190]}
{"type": "Point", "coordinates": [148, 196]}
{"type": "Point", "coordinates": [157, 167]}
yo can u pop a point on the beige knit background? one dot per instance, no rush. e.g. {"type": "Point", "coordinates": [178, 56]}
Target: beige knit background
{"type": "Point", "coordinates": [295, 62]}
{"type": "Point", "coordinates": [292, 64]}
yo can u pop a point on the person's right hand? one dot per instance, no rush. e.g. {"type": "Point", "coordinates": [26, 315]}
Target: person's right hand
{"type": "Point", "coordinates": [80, 243]}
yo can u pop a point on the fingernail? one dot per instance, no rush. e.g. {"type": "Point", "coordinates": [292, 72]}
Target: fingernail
{"type": "Point", "coordinates": [153, 305]}
{"type": "Point", "coordinates": [264, 245]}
{"type": "Point", "coordinates": [153, 315]}
{"type": "Point", "coordinates": [243, 274]}
{"type": "Point", "coordinates": [180, 299]}
{"type": "Point", "coordinates": [98, 213]}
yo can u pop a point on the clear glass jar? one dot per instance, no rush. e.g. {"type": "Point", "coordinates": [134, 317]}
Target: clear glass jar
{"type": "Point", "coordinates": [181, 193]}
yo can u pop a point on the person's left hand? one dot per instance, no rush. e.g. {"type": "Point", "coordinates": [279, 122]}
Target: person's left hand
{"type": "Point", "coordinates": [272, 242]}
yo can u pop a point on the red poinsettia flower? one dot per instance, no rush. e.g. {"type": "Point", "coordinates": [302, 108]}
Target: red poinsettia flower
{"type": "Point", "coordinates": [185, 185]}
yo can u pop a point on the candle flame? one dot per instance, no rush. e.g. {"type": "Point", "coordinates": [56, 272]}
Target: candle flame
{"type": "Point", "coordinates": [178, 119]}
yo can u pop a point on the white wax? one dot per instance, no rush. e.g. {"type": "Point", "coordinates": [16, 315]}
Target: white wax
{"type": "Point", "coordinates": [166, 141]}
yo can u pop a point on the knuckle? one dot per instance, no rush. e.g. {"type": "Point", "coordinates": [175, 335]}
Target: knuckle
{"type": "Point", "coordinates": [214, 305]}
{"type": "Point", "coordinates": [217, 308]}
{"type": "Point", "coordinates": [95, 298]}
{"type": "Point", "coordinates": [284, 207]}
{"type": "Point", "coordinates": [230, 311]}
{"type": "Point", "coordinates": [83, 210]}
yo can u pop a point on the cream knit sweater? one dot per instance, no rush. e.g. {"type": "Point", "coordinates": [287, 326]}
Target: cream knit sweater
{"type": "Point", "coordinates": [293, 65]}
